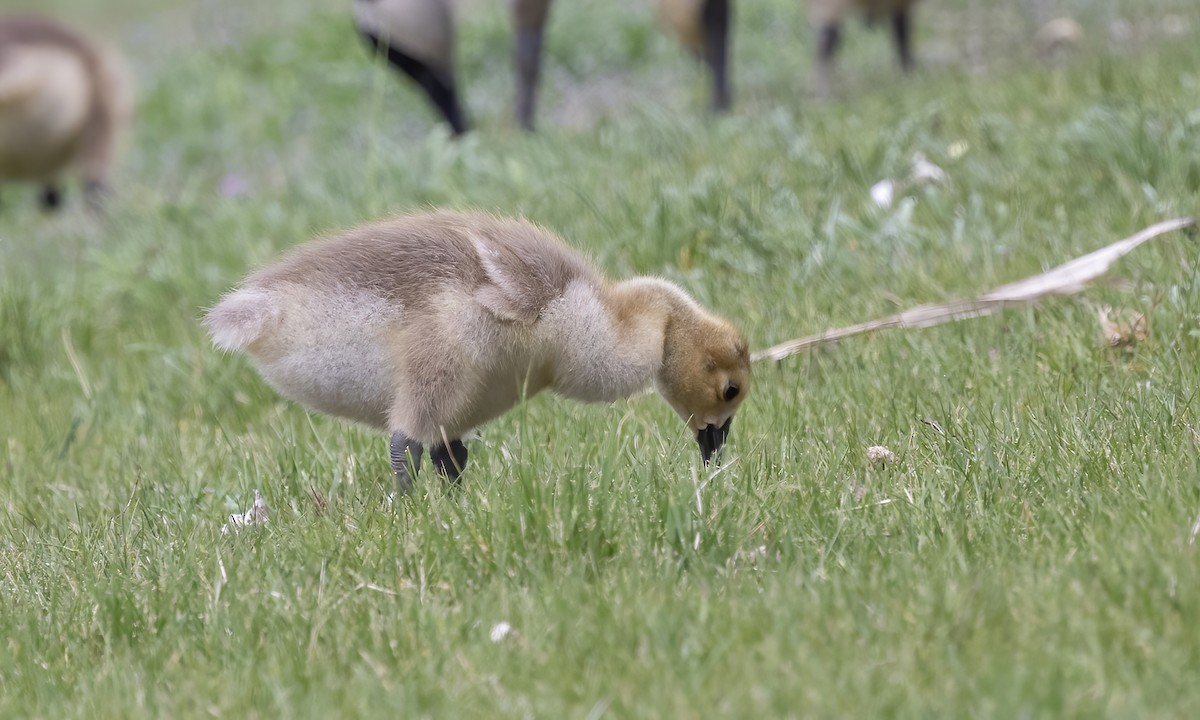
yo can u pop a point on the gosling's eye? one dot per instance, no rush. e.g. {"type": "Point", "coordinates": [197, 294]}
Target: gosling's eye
{"type": "Point", "coordinates": [731, 391]}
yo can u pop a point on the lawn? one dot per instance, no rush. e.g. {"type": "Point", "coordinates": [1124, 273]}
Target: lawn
{"type": "Point", "coordinates": [1031, 552]}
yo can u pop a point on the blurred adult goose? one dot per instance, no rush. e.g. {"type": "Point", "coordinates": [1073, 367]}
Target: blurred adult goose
{"type": "Point", "coordinates": [417, 38]}
{"type": "Point", "coordinates": [64, 101]}
{"type": "Point", "coordinates": [702, 26]}
{"type": "Point", "coordinates": [429, 325]}
{"type": "Point", "coordinates": [827, 16]}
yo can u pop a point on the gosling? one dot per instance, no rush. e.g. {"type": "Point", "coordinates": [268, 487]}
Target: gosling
{"type": "Point", "coordinates": [417, 38]}
{"type": "Point", "coordinates": [702, 26]}
{"type": "Point", "coordinates": [64, 101]}
{"type": "Point", "coordinates": [429, 325]}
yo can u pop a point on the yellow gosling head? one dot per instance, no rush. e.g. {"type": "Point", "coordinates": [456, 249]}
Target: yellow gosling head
{"type": "Point", "coordinates": [705, 374]}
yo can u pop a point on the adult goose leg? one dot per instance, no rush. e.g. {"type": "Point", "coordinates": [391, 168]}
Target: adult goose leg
{"type": "Point", "coordinates": [716, 50]}
{"type": "Point", "coordinates": [529, 20]}
{"type": "Point", "coordinates": [901, 29]}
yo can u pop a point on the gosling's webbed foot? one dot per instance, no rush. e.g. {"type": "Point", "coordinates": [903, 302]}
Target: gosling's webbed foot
{"type": "Point", "coordinates": [449, 460]}
{"type": "Point", "coordinates": [406, 461]}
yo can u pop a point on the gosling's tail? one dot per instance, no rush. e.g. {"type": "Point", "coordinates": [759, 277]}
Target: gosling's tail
{"type": "Point", "coordinates": [242, 317]}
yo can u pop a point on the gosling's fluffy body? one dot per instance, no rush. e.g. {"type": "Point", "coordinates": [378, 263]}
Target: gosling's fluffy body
{"type": "Point", "coordinates": [430, 325]}
{"type": "Point", "coordinates": [65, 99]}
{"type": "Point", "coordinates": [417, 38]}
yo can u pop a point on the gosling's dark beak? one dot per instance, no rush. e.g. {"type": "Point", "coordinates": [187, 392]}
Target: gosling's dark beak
{"type": "Point", "coordinates": [711, 438]}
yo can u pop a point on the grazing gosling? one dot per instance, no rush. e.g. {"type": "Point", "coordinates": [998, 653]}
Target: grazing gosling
{"type": "Point", "coordinates": [417, 37]}
{"type": "Point", "coordinates": [827, 16]}
{"type": "Point", "coordinates": [64, 101]}
{"type": "Point", "coordinates": [429, 325]}
{"type": "Point", "coordinates": [702, 26]}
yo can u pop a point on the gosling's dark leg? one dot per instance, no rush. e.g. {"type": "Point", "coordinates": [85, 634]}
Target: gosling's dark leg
{"type": "Point", "coordinates": [440, 90]}
{"type": "Point", "coordinates": [51, 198]}
{"type": "Point", "coordinates": [406, 461]}
{"type": "Point", "coordinates": [449, 460]}
{"type": "Point", "coordinates": [901, 30]}
{"type": "Point", "coordinates": [717, 15]}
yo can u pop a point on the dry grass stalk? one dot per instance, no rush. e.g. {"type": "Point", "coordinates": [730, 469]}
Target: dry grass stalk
{"type": "Point", "coordinates": [1066, 279]}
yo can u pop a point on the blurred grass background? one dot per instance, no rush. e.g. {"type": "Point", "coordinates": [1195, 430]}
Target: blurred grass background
{"type": "Point", "coordinates": [1031, 553]}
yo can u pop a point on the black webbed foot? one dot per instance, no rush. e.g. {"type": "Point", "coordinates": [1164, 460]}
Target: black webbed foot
{"type": "Point", "coordinates": [406, 461]}
{"type": "Point", "coordinates": [449, 460]}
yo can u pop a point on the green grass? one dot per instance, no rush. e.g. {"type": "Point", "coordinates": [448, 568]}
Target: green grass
{"type": "Point", "coordinates": [1031, 555]}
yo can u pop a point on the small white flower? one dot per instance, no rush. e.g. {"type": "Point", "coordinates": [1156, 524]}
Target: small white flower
{"type": "Point", "coordinates": [924, 171]}
{"type": "Point", "coordinates": [878, 454]}
{"type": "Point", "coordinates": [256, 515]}
{"type": "Point", "coordinates": [883, 192]}
{"type": "Point", "coordinates": [500, 631]}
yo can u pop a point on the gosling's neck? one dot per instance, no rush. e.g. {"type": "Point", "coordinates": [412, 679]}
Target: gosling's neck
{"type": "Point", "coordinates": [648, 302]}
{"type": "Point", "coordinates": [611, 338]}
